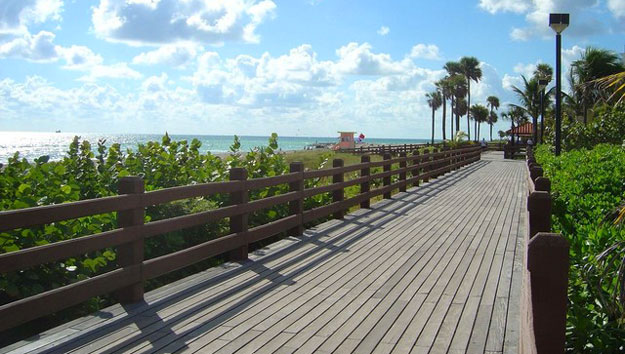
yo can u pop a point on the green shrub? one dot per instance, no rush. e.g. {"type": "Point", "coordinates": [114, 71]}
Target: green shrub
{"type": "Point", "coordinates": [587, 185]}
{"type": "Point", "coordinates": [85, 174]}
{"type": "Point", "coordinates": [607, 127]}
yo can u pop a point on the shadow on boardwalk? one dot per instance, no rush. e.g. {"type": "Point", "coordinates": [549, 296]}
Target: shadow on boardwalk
{"type": "Point", "coordinates": [179, 316]}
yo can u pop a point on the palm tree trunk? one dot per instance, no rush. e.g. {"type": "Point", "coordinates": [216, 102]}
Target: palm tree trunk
{"type": "Point", "coordinates": [452, 116]}
{"type": "Point", "coordinates": [444, 116]}
{"type": "Point", "coordinates": [476, 130]}
{"type": "Point", "coordinates": [490, 123]}
{"type": "Point", "coordinates": [468, 108]}
{"type": "Point", "coordinates": [432, 126]}
{"type": "Point", "coordinates": [512, 131]}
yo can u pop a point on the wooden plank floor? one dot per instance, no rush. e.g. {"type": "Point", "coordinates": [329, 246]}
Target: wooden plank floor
{"type": "Point", "coordinates": [434, 270]}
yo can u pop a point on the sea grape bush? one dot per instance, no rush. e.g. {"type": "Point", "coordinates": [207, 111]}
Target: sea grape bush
{"type": "Point", "coordinates": [84, 174]}
{"type": "Point", "coordinates": [587, 186]}
{"type": "Point", "coordinates": [606, 127]}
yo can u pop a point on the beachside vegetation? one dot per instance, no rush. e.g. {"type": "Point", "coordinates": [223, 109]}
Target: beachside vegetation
{"type": "Point", "coordinates": [88, 171]}
{"type": "Point", "coordinates": [588, 194]}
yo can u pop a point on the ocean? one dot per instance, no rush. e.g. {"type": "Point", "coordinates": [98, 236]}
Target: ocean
{"type": "Point", "coordinates": [35, 144]}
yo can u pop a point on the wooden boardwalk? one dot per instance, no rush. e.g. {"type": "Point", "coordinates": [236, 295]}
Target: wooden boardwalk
{"type": "Point", "coordinates": [434, 270]}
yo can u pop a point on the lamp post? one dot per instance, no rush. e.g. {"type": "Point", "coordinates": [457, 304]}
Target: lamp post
{"type": "Point", "coordinates": [542, 83]}
{"type": "Point", "coordinates": [558, 22]}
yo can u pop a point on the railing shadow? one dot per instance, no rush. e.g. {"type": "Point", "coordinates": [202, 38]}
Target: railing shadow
{"type": "Point", "coordinates": [145, 316]}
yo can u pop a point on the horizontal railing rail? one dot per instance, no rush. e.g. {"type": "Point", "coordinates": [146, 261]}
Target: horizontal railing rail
{"type": "Point", "coordinates": [391, 149]}
{"type": "Point", "coordinates": [126, 281]}
{"type": "Point", "coordinates": [545, 276]}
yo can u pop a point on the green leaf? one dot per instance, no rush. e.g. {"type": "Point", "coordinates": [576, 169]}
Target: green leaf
{"type": "Point", "coordinates": [24, 188]}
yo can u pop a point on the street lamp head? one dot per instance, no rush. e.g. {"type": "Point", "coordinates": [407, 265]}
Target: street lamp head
{"type": "Point", "coordinates": [542, 83]}
{"type": "Point", "coordinates": [558, 22]}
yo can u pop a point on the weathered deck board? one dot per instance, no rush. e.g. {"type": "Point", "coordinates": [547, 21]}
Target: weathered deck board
{"type": "Point", "coordinates": [434, 270]}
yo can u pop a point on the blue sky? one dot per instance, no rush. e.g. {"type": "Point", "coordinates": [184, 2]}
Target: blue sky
{"type": "Point", "coordinates": [252, 67]}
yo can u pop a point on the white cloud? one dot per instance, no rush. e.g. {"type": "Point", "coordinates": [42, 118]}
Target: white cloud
{"type": "Point", "coordinates": [425, 51]}
{"type": "Point", "coordinates": [617, 7]}
{"type": "Point", "coordinates": [16, 15]}
{"type": "Point", "coordinates": [383, 31]}
{"type": "Point", "coordinates": [114, 71]}
{"type": "Point", "coordinates": [494, 6]}
{"type": "Point", "coordinates": [155, 83]}
{"type": "Point", "coordinates": [38, 48]}
{"type": "Point", "coordinates": [169, 21]}
{"type": "Point", "coordinates": [83, 107]}
{"type": "Point", "coordinates": [526, 70]}
{"type": "Point", "coordinates": [358, 59]}
{"type": "Point", "coordinates": [176, 55]}
{"type": "Point", "coordinates": [584, 16]}
{"type": "Point", "coordinates": [79, 57]}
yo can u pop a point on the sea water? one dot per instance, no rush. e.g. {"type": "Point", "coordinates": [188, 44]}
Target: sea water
{"type": "Point", "coordinates": [35, 144]}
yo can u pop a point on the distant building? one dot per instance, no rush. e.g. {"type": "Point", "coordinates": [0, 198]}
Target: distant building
{"type": "Point", "coordinates": [346, 140]}
{"type": "Point", "coordinates": [524, 131]}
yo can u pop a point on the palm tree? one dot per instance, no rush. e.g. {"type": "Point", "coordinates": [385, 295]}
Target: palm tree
{"type": "Point", "coordinates": [613, 86]}
{"type": "Point", "coordinates": [453, 68]}
{"type": "Point", "coordinates": [530, 98]}
{"type": "Point", "coordinates": [543, 72]}
{"type": "Point", "coordinates": [492, 119]}
{"type": "Point", "coordinates": [445, 89]}
{"type": "Point", "coordinates": [594, 64]}
{"type": "Point", "coordinates": [472, 72]}
{"type": "Point", "coordinates": [480, 115]}
{"type": "Point", "coordinates": [516, 115]}
{"type": "Point", "coordinates": [459, 90]}
{"type": "Point", "coordinates": [460, 109]}
{"type": "Point", "coordinates": [434, 101]}
{"type": "Point", "coordinates": [493, 104]}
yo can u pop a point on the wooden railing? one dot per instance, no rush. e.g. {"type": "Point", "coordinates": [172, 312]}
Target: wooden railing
{"type": "Point", "coordinates": [127, 280]}
{"type": "Point", "coordinates": [390, 149]}
{"type": "Point", "coordinates": [545, 276]}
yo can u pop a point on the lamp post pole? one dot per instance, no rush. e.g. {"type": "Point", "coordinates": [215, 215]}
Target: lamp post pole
{"type": "Point", "coordinates": [542, 83]}
{"type": "Point", "coordinates": [542, 115]}
{"type": "Point", "coordinates": [558, 22]}
{"type": "Point", "coordinates": [558, 94]}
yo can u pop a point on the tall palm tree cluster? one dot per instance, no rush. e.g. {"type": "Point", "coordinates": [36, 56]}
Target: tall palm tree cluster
{"type": "Point", "coordinates": [455, 88]}
{"type": "Point", "coordinates": [597, 77]}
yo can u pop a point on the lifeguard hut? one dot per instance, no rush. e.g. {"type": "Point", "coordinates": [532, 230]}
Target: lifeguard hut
{"type": "Point", "coordinates": [346, 140]}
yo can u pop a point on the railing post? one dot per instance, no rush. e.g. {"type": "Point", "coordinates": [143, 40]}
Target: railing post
{"type": "Point", "coordinates": [387, 179]}
{"type": "Point", "coordinates": [548, 265]}
{"type": "Point", "coordinates": [535, 172]}
{"type": "Point", "coordinates": [131, 253]}
{"type": "Point", "coordinates": [296, 207]}
{"type": "Point", "coordinates": [539, 212]}
{"type": "Point", "coordinates": [402, 175]}
{"type": "Point", "coordinates": [337, 195]}
{"type": "Point", "coordinates": [365, 186]}
{"type": "Point", "coordinates": [415, 170]}
{"type": "Point", "coordinates": [238, 223]}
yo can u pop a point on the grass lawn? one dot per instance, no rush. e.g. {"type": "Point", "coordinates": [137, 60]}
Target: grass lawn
{"type": "Point", "coordinates": [312, 158]}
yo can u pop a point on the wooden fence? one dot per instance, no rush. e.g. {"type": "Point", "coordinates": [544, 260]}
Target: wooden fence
{"type": "Point", "coordinates": [545, 276]}
{"type": "Point", "coordinates": [391, 149]}
{"type": "Point", "coordinates": [126, 281]}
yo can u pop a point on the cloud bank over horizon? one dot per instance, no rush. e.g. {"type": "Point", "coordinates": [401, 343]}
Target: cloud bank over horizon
{"type": "Point", "coordinates": [230, 66]}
